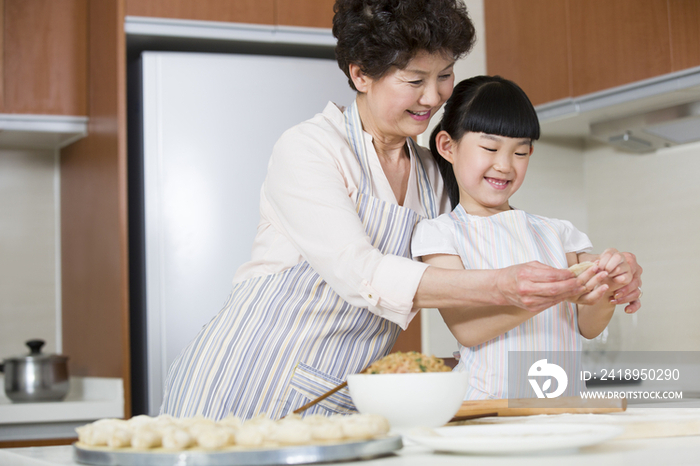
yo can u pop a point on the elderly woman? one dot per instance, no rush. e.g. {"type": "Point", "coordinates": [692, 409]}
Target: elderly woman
{"type": "Point", "coordinates": [331, 283]}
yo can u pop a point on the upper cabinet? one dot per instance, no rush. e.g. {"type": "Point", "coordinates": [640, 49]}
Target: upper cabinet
{"type": "Point", "coordinates": [566, 48]}
{"type": "Point", "coordinates": [306, 13]}
{"type": "Point", "coordinates": [527, 43]}
{"type": "Point", "coordinates": [615, 42]}
{"type": "Point", "coordinates": [44, 57]}
{"type": "Point", "coordinates": [309, 13]}
{"type": "Point", "coordinates": [236, 11]}
{"type": "Point", "coordinates": [684, 18]}
{"type": "Point", "coordinates": [43, 43]}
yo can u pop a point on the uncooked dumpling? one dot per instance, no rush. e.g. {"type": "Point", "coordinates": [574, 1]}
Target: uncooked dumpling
{"type": "Point", "coordinates": [145, 437]}
{"type": "Point", "coordinates": [292, 432]}
{"type": "Point", "coordinates": [581, 267]}
{"type": "Point", "coordinates": [177, 439]}
{"type": "Point", "coordinates": [212, 438]}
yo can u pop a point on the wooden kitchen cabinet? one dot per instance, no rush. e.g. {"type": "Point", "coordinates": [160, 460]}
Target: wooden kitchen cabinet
{"type": "Point", "coordinates": [235, 11]}
{"type": "Point", "coordinates": [615, 42]}
{"type": "Point", "coordinates": [684, 20]}
{"type": "Point", "coordinates": [306, 13]}
{"type": "Point", "coordinates": [44, 57]}
{"type": "Point", "coordinates": [526, 41]}
{"type": "Point", "coordinates": [567, 48]}
{"type": "Point", "coordinates": [2, 48]}
{"type": "Point", "coordinates": [94, 230]}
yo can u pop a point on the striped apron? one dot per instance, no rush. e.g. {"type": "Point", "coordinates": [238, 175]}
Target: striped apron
{"type": "Point", "coordinates": [284, 339]}
{"type": "Point", "coordinates": [499, 241]}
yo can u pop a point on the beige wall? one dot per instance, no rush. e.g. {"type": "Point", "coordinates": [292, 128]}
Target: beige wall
{"type": "Point", "coordinates": [554, 184]}
{"type": "Point", "coordinates": [650, 205]}
{"type": "Point", "coordinates": [474, 63]}
{"type": "Point", "coordinates": [28, 250]}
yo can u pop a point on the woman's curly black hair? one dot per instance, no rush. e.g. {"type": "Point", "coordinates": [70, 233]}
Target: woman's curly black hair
{"type": "Point", "coordinates": [379, 34]}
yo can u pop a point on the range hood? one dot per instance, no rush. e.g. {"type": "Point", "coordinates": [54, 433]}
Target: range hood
{"type": "Point", "coordinates": [638, 118]}
{"type": "Point", "coordinates": [649, 131]}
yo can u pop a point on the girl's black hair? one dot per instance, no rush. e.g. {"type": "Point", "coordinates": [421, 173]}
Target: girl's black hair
{"type": "Point", "coordinates": [483, 104]}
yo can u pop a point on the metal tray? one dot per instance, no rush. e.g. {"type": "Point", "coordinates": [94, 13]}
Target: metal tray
{"type": "Point", "coordinates": [263, 457]}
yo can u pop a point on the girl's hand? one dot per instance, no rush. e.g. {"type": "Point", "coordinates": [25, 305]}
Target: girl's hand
{"type": "Point", "coordinates": [535, 286]}
{"type": "Point", "coordinates": [631, 292]}
{"type": "Point", "coordinates": [619, 270]}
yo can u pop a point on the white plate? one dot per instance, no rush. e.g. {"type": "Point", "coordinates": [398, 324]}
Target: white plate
{"type": "Point", "coordinates": [513, 438]}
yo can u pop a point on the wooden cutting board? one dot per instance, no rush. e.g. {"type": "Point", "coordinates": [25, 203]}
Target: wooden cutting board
{"type": "Point", "coordinates": [638, 423]}
{"type": "Point", "coordinates": [535, 406]}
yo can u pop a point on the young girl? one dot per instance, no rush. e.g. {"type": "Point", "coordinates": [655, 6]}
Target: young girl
{"type": "Point", "coordinates": [483, 145]}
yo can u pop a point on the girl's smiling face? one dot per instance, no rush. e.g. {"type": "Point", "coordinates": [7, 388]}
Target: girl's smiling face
{"type": "Point", "coordinates": [489, 169]}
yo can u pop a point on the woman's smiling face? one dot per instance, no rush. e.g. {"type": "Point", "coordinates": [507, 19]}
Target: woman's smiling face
{"type": "Point", "coordinates": [401, 103]}
{"type": "Point", "coordinates": [489, 170]}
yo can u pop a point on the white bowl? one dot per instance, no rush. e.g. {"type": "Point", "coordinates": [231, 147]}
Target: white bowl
{"type": "Point", "coordinates": [428, 399]}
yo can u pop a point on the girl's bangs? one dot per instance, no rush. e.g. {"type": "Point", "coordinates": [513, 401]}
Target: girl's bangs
{"type": "Point", "coordinates": [498, 110]}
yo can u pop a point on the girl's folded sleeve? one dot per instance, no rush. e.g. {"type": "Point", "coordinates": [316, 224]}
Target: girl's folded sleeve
{"type": "Point", "coordinates": [312, 206]}
{"type": "Point", "coordinates": [573, 239]}
{"type": "Point", "coordinates": [433, 236]}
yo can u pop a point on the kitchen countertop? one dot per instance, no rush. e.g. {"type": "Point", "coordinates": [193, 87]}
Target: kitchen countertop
{"type": "Point", "coordinates": [676, 450]}
{"type": "Point", "coordinates": [88, 399]}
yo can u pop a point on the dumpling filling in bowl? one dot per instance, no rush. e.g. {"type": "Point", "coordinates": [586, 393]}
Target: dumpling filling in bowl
{"type": "Point", "coordinates": [410, 390]}
{"type": "Point", "coordinates": [405, 363]}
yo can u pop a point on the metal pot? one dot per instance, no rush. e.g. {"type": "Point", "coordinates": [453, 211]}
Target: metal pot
{"type": "Point", "coordinates": [36, 376]}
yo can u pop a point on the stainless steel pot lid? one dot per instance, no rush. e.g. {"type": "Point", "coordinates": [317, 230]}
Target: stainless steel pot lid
{"type": "Point", "coordinates": [35, 354]}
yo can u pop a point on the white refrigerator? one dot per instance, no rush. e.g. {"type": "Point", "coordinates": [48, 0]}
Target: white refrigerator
{"type": "Point", "coordinates": [202, 127]}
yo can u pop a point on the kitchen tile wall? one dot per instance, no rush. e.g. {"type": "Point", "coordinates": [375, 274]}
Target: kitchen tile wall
{"type": "Point", "coordinates": [650, 204]}
{"type": "Point", "coordinates": [28, 249]}
{"type": "Point", "coordinates": [554, 184]}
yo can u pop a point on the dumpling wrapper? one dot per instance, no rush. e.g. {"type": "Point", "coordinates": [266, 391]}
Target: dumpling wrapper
{"type": "Point", "coordinates": [581, 267]}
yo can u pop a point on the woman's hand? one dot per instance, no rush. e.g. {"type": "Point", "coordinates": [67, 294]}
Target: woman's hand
{"type": "Point", "coordinates": [596, 286]}
{"type": "Point", "coordinates": [534, 286]}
